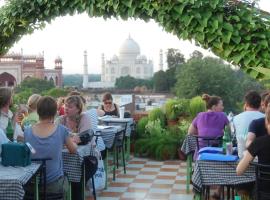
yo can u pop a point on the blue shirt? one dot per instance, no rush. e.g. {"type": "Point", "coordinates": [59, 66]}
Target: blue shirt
{"type": "Point", "coordinates": [49, 147]}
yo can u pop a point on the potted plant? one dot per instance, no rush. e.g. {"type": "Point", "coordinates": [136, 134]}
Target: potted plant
{"type": "Point", "coordinates": [171, 112]}
{"type": "Point", "coordinates": [157, 114]}
{"type": "Point", "coordinates": [176, 109]}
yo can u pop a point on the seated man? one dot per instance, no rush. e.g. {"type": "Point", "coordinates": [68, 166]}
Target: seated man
{"type": "Point", "coordinates": [241, 121]}
{"type": "Point", "coordinates": [257, 127]}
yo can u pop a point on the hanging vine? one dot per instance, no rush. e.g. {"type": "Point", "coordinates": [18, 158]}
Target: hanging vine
{"type": "Point", "coordinates": [233, 30]}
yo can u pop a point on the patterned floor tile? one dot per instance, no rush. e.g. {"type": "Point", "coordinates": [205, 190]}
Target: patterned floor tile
{"type": "Point", "coordinates": [147, 179]}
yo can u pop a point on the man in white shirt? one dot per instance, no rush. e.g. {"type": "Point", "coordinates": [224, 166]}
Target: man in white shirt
{"type": "Point", "coordinates": [241, 122]}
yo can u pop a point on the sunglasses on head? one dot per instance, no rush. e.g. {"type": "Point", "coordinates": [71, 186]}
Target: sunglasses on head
{"type": "Point", "coordinates": [107, 102]}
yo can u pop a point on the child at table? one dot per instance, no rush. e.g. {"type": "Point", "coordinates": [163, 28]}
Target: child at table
{"type": "Point", "coordinates": [48, 139]}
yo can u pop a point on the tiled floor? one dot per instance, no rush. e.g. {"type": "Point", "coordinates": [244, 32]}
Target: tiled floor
{"type": "Point", "coordinates": [148, 179]}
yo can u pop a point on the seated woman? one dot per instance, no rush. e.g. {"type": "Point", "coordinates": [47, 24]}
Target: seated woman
{"type": "Point", "coordinates": [32, 117]}
{"type": "Point", "coordinates": [77, 122]}
{"type": "Point", "coordinates": [108, 106]}
{"type": "Point", "coordinates": [259, 147]}
{"type": "Point", "coordinates": [212, 122]}
{"type": "Point", "coordinates": [48, 140]}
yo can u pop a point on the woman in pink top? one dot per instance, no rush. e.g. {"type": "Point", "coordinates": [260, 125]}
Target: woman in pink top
{"type": "Point", "coordinates": [212, 122]}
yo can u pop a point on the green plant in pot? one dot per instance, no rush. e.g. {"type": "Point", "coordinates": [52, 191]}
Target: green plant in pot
{"type": "Point", "coordinates": [155, 114]}
{"type": "Point", "coordinates": [174, 109]}
{"type": "Point", "coordinates": [140, 128]}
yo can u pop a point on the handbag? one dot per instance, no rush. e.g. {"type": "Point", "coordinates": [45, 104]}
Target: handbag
{"type": "Point", "coordinates": [86, 137]}
{"type": "Point", "coordinates": [15, 154]}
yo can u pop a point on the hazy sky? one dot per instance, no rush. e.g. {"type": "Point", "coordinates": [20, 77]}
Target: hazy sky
{"type": "Point", "coordinates": [69, 36]}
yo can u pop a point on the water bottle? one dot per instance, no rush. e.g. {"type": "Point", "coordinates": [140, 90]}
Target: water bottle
{"type": "Point", "coordinates": [10, 130]}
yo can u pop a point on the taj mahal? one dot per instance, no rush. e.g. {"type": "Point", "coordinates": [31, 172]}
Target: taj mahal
{"type": "Point", "coordinates": [129, 61]}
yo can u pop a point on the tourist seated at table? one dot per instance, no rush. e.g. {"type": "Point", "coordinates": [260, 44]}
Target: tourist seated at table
{"type": "Point", "coordinates": [5, 103]}
{"type": "Point", "coordinates": [3, 139]}
{"type": "Point", "coordinates": [73, 109]}
{"type": "Point", "coordinates": [242, 121]}
{"type": "Point", "coordinates": [77, 122]}
{"type": "Point", "coordinates": [32, 117]}
{"type": "Point", "coordinates": [257, 127]}
{"type": "Point", "coordinates": [212, 122]}
{"type": "Point", "coordinates": [260, 147]}
{"type": "Point", "coordinates": [108, 106]}
{"type": "Point", "coordinates": [60, 106]}
{"type": "Point", "coordinates": [48, 140]}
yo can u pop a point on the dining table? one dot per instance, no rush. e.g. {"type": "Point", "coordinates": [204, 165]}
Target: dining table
{"type": "Point", "coordinates": [127, 123]}
{"type": "Point", "coordinates": [73, 164]}
{"type": "Point", "coordinates": [221, 173]}
{"type": "Point", "coordinates": [14, 179]}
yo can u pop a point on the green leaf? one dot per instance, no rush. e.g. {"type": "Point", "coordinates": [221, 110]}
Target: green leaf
{"type": "Point", "coordinates": [227, 37]}
{"type": "Point", "coordinates": [180, 8]}
{"type": "Point", "coordinates": [228, 26]}
{"type": "Point", "coordinates": [236, 39]}
{"type": "Point", "coordinates": [213, 3]}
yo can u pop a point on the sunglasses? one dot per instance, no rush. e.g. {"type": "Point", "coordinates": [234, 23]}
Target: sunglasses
{"type": "Point", "coordinates": [107, 102]}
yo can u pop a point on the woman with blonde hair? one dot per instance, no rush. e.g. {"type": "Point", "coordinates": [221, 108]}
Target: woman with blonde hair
{"type": "Point", "coordinates": [32, 117]}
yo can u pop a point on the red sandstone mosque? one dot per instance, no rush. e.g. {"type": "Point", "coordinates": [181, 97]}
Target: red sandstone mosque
{"type": "Point", "coordinates": [14, 68]}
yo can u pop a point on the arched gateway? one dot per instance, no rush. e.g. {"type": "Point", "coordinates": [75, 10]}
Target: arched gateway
{"type": "Point", "coordinates": [234, 30]}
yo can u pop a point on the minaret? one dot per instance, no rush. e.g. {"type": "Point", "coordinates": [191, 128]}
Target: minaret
{"type": "Point", "coordinates": [85, 70]}
{"type": "Point", "coordinates": [102, 67]}
{"type": "Point", "coordinates": [160, 60]}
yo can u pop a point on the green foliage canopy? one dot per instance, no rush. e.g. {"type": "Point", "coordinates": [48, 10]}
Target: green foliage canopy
{"type": "Point", "coordinates": [234, 30]}
{"type": "Point", "coordinates": [212, 76]}
{"type": "Point", "coordinates": [35, 85]}
{"type": "Point", "coordinates": [174, 58]}
{"type": "Point", "coordinates": [128, 82]}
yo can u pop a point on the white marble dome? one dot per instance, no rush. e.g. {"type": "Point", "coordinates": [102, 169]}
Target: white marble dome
{"type": "Point", "coordinates": [129, 47]}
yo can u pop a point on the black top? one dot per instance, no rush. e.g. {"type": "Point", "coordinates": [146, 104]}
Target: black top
{"type": "Point", "coordinates": [261, 147]}
{"type": "Point", "coordinates": [111, 113]}
{"type": "Point", "coordinates": [257, 127]}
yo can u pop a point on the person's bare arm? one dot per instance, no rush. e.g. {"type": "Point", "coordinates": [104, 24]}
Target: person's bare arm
{"type": "Point", "coordinates": [192, 130]}
{"type": "Point", "coordinates": [100, 112]}
{"type": "Point", "coordinates": [250, 138]}
{"type": "Point", "coordinates": [244, 163]}
{"type": "Point", "coordinates": [71, 146]}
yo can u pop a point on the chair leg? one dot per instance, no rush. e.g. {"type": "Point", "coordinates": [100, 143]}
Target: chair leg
{"type": "Point", "coordinates": [106, 169]}
{"type": "Point", "coordinates": [117, 162]}
{"type": "Point", "coordinates": [123, 159]}
{"type": "Point", "coordinates": [114, 158]}
{"type": "Point", "coordinates": [127, 148]}
{"type": "Point", "coordinates": [94, 189]}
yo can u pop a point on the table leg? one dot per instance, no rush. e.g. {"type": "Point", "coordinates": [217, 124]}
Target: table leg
{"type": "Point", "coordinates": [197, 196]}
{"type": "Point", "coordinates": [189, 171]}
{"type": "Point", "coordinates": [36, 188]}
{"type": "Point", "coordinates": [69, 191]}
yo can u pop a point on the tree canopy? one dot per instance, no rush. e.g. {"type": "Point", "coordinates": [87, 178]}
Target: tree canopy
{"type": "Point", "coordinates": [212, 76]}
{"type": "Point", "coordinates": [128, 82]}
{"type": "Point", "coordinates": [174, 58]}
{"type": "Point", "coordinates": [234, 30]}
